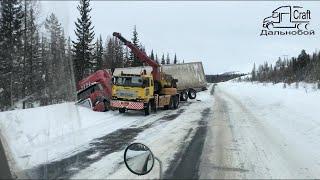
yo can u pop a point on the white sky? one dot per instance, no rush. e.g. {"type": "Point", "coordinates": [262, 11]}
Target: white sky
{"type": "Point", "coordinates": [225, 36]}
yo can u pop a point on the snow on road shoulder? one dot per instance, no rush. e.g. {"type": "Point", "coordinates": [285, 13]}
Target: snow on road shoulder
{"type": "Point", "coordinates": [164, 138]}
{"type": "Point", "coordinates": [39, 135]}
{"type": "Point", "coordinates": [285, 119]}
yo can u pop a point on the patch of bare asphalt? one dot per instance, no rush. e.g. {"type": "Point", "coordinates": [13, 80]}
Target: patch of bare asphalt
{"type": "Point", "coordinates": [186, 162]}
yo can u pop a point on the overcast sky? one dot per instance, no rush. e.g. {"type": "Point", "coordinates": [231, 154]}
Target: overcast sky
{"type": "Point", "coordinates": [225, 36]}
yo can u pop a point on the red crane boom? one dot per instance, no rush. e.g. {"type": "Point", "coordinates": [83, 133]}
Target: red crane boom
{"type": "Point", "coordinates": [141, 56]}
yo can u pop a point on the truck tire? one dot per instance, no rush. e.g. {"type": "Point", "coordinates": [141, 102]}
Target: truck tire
{"type": "Point", "coordinates": [192, 94]}
{"type": "Point", "coordinates": [153, 106]}
{"type": "Point", "coordinates": [147, 109]}
{"type": "Point", "coordinates": [184, 96]}
{"type": "Point", "coordinates": [122, 110]}
{"type": "Point", "coordinates": [172, 99]}
{"type": "Point", "coordinates": [176, 102]}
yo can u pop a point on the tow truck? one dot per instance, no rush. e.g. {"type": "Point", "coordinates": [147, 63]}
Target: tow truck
{"type": "Point", "coordinates": [145, 92]}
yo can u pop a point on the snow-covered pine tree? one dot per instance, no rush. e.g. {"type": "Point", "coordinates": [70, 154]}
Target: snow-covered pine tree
{"type": "Point", "coordinates": [168, 59]}
{"type": "Point", "coordinates": [71, 84]}
{"type": "Point", "coordinates": [135, 41]}
{"type": "Point", "coordinates": [31, 52]}
{"type": "Point", "coordinates": [157, 60]}
{"type": "Point", "coordinates": [82, 46]}
{"type": "Point", "coordinates": [163, 61]}
{"type": "Point", "coordinates": [126, 56]}
{"type": "Point", "coordinates": [253, 72]}
{"type": "Point", "coordinates": [56, 61]}
{"type": "Point", "coordinates": [98, 54]}
{"type": "Point", "coordinates": [152, 55]}
{"type": "Point", "coordinates": [10, 44]}
{"type": "Point", "coordinates": [175, 61]}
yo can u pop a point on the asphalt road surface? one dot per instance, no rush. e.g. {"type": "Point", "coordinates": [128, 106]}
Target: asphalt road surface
{"type": "Point", "coordinates": [4, 167]}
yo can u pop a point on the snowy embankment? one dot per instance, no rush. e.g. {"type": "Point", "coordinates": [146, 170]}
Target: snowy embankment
{"type": "Point", "coordinates": [39, 135]}
{"type": "Point", "coordinates": [268, 131]}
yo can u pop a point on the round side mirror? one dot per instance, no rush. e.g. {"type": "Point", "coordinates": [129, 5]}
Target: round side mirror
{"type": "Point", "coordinates": [138, 158]}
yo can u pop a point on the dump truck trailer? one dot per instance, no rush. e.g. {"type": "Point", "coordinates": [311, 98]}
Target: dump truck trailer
{"type": "Point", "coordinates": [191, 77]}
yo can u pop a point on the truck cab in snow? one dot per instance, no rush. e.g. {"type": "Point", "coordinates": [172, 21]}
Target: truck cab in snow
{"type": "Point", "coordinates": [97, 88]}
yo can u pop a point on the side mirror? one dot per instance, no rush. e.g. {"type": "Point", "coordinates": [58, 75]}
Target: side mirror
{"type": "Point", "coordinates": [138, 158]}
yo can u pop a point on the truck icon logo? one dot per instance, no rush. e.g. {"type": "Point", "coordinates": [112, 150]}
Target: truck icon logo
{"type": "Point", "coordinates": [294, 17]}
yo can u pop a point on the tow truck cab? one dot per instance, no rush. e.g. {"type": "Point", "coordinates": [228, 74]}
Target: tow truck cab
{"type": "Point", "coordinates": [133, 87]}
{"type": "Point", "coordinates": [136, 92]}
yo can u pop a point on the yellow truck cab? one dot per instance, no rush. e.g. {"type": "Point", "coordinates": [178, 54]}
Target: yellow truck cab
{"type": "Point", "coordinates": [133, 87]}
{"type": "Point", "coordinates": [132, 91]}
{"type": "Point", "coordinates": [136, 92]}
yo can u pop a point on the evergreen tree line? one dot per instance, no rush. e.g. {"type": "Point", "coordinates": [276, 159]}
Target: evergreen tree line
{"type": "Point", "coordinates": [223, 77]}
{"type": "Point", "coordinates": [305, 67]}
{"type": "Point", "coordinates": [34, 65]}
{"type": "Point", "coordinates": [38, 63]}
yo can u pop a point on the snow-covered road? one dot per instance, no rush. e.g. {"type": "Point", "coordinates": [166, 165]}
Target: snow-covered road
{"type": "Point", "coordinates": [262, 132]}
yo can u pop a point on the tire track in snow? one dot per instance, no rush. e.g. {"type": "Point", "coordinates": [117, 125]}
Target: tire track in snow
{"type": "Point", "coordinates": [186, 162]}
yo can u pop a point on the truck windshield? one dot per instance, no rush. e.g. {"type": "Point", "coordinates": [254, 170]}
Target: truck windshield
{"type": "Point", "coordinates": [128, 81]}
{"type": "Point", "coordinates": [85, 93]}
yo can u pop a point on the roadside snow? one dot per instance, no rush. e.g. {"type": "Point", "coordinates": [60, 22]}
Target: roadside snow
{"type": "Point", "coordinates": [39, 135]}
{"type": "Point", "coordinates": [264, 131]}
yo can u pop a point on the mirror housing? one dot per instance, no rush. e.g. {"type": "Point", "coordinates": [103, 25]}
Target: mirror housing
{"type": "Point", "coordinates": [138, 158]}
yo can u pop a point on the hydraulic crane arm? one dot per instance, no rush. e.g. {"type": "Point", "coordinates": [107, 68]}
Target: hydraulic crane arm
{"type": "Point", "coordinates": [141, 56]}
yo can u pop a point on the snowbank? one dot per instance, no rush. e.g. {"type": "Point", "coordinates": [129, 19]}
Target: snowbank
{"type": "Point", "coordinates": [288, 121]}
{"type": "Point", "coordinates": [43, 134]}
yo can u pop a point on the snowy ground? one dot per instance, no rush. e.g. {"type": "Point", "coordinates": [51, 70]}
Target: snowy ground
{"type": "Point", "coordinates": [68, 141]}
{"type": "Point", "coordinates": [263, 131]}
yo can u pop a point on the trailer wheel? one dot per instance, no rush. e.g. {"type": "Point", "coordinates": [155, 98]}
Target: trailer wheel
{"type": "Point", "coordinates": [122, 110]}
{"type": "Point", "coordinates": [184, 96]}
{"type": "Point", "coordinates": [192, 93]}
{"type": "Point", "coordinates": [147, 109]}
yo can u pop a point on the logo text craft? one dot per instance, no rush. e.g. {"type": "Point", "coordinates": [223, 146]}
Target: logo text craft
{"type": "Point", "coordinates": [287, 20]}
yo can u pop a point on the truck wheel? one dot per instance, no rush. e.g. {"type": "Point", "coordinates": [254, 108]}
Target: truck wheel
{"type": "Point", "coordinates": [171, 103]}
{"type": "Point", "coordinates": [192, 93]}
{"type": "Point", "coordinates": [122, 110]}
{"type": "Point", "coordinates": [153, 106]}
{"type": "Point", "coordinates": [184, 96]}
{"type": "Point", "coordinates": [147, 109]}
{"type": "Point", "coordinates": [176, 102]}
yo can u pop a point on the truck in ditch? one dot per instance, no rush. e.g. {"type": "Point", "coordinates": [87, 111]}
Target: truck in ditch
{"type": "Point", "coordinates": [94, 91]}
